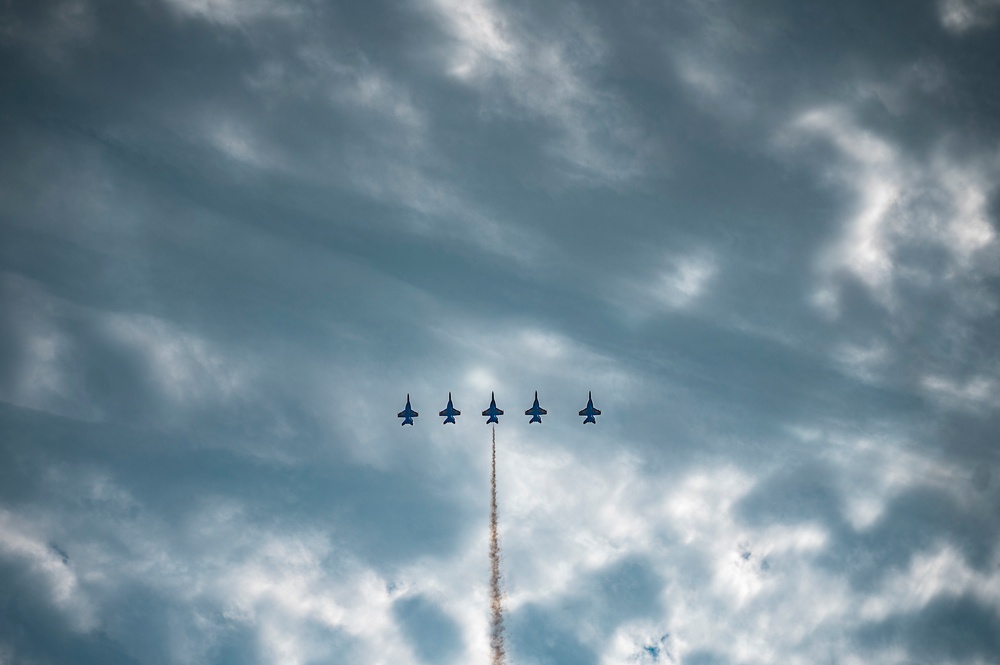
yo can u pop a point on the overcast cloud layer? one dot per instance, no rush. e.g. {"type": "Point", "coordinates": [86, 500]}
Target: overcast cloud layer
{"type": "Point", "coordinates": [235, 234]}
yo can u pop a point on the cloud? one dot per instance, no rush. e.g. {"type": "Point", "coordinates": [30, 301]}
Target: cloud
{"type": "Point", "coordinates": [905, 278]}
{"type": "Point", "coordinates": [186, 368]}
{"type": "Point", "coordinates": [21, 541]}
{"type": "Point", "coordinates": [66, 354]}
{"type": "Point", "coordinates": [901, 205]}
{"type": "Point", "coordinates": [961, 630]}
{"type": "Point", "coordinates": [301, 595]}
{"type": "Point", "coordinates": [684, 280]}
{"type": "Point", "coordinates": [433, 633]}
{"type": "Point", "coordinates": [931, 577]}
{"type": "Point", "coordinates": [978, 392]}
{"type": "Point", "coordinates": [549, 75]}
{"type": "Point", "coordinates": [233, 13]}
{"type": "Point", "coordinates": [236, 235]}
{"type": "Point", "coordinates": [960, 16]}
{"type": "Point", "coordinates": [55, 32]}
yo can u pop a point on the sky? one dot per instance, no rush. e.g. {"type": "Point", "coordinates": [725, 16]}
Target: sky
{"type": "Point", "coordinates": [235, 234]}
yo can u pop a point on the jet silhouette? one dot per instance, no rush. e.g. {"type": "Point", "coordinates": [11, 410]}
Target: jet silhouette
{"type": "Point", "coordinates": [450, 412]}
{"type": "Point", "coordinates": [407, 414]}
{"type": "Point", "coordinates": [536, 412]}
{"type": "Point", "coordinates": [493, 411]}
{"type": "Point", "coordinates": [590, 411]}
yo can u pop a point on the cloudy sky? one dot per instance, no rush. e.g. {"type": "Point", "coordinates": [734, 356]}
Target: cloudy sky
{"type": "Point", "coordinates": [235, 234]}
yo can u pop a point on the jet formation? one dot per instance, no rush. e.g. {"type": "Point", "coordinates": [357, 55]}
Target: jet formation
{"type": "Point", "coordinates": [493, 413]}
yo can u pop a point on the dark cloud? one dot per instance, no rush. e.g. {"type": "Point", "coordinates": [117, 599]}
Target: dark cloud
{"type": "Point", "coordinates": [913, 522]}
{"type": "Point", "coordinates": [571, 628]}
{"type": "Point", "coordinates": [960, 629]}
{"type": "Point", "coordinates": [434, 634]}
{"type": "Point", "coordinates": [705, 658]}
{"type": "Point", "coordinates": [33, 630]}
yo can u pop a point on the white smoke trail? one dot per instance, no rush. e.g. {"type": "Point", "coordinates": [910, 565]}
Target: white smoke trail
{"type": "Point", "coordinates": [496, 595]}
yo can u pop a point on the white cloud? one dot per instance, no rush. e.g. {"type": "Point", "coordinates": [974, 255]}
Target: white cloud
{"type": "Point", "coordinates": [976, 393]}
{"type": "Point", "coordinates": [355, 84]}
{"type": "Point", "coordinates": [864, 361]}
{"type": "Point", "coordinates": [564, 517]}
{"type": "Point", "coordinates": [715, 86]}
{"type": "Point", "coordinates": [286, 585]}
{"type": "Point", "coordinates": [279, 584]}
{"type": "Point", "coordinates": [233, 13]}
{"type": "Point", "coordinates": [539, 356]}
{"type": "Point", "coordinates": [684, 280]}
{"type": "Point", "coordinates": [23, 540]}
{"type": "Point", "coordinates": [484, 40]}
{"type": "Point", "coordinates": [674, 282]}
{"type": "Point", "coordinates": [53, 338]}
{"type": "Point", "coordinates": [874, 468]}
{"type": "Point", "coordinates": [545, 75]}
{"type": "Point", "coordinates": [960, 16]}
{"type": "Point", "coordinates": [43, 378]}
{"type": "Point", "coordinates": [186, 368]}
{"type": "Point", "coordinates": [391, 159]}
{"type": "Point", "coordinates": [239, 143]}
{"type": "Point", "coordinates": [381, 108]}
{"type": "Point", "coordinates": [900, 203]}
{"type": "Point", "coordinates": [940, 572]}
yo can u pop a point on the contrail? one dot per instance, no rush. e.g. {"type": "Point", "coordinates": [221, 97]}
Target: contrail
{"type": "Point", "coordinates": [496, 596]}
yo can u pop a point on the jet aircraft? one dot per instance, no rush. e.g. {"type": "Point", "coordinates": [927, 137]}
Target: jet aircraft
{"type": "Point", "coordinates": [590, 411]}
{"type": "Point", "coordinates": [536, 412]}
{"type": "Point", "coordinates": [407, 414]}
{"type": "Point", "coordinates": [493, 411]}
{"type": "Point", "coordinates": [450, 412]}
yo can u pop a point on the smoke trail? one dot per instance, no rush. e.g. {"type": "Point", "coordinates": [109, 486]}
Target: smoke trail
{"type": "Point", "coordinates": [496, 596]}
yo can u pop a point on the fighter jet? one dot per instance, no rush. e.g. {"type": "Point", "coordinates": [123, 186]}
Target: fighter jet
{"type": "Point", "coordinates": [407, 414]}
{"type": "Point", "coordinates": [590, 411]}
{"type": "Point", "coordinates": [493, 411]}
{"type": "Point", "coordinates": [536, 412]}
{"type": "Point", "coordinates": [450, 412]}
